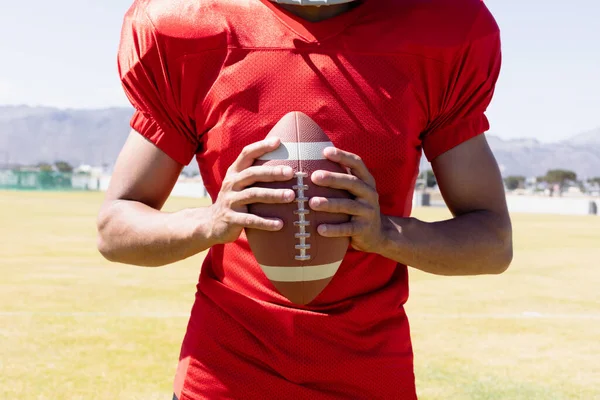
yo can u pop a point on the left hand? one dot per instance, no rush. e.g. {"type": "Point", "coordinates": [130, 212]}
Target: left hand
{"type": "Point", "coordinates": [365, 226]}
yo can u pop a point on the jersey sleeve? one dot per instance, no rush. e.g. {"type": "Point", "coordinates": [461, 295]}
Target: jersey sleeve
{"type": "Point", "coordinates": [471, 81]}
{"type": "Point", "coordinates": [144, 73]}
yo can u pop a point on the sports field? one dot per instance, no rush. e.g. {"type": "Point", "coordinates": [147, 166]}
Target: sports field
{"type": "Point", "coordinates": [73, 326]}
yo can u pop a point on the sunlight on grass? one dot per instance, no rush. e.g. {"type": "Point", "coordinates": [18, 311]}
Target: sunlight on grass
{"type": "Point", "coordinates": [73, 326]}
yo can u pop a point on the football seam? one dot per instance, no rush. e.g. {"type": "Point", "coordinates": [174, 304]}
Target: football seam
{"type": "Point", "coordinates": [301, 223]}
{"type": "Point", "coordinates": [301, 211]}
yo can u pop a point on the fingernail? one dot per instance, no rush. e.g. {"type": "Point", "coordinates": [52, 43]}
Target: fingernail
{"type": "Point", "coordinates": [272, 141]}
{"type": "Point", "coordinates": [289, 195]}
{"type": "Point", "coordinates": [286, 170]}
{"type": "Point", "coordinates": [322, 229]}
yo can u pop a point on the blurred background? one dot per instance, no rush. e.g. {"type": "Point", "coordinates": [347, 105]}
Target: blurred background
{"type": "Point", "coordinates": [73, 326]}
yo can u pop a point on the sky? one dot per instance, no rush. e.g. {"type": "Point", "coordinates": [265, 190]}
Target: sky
{"type": "Point", "coordinates": [62, 53]}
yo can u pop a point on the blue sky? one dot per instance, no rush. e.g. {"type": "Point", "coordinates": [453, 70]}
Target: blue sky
{"type": "Point", "coordinates": [63, 53]}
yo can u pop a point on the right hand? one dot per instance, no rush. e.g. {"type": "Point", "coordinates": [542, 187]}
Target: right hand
{"type": "Point", "coordinates": [229, 213]}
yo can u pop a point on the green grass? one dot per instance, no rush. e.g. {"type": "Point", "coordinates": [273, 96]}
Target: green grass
{"type": "Point", "coordinates": [73, 326]}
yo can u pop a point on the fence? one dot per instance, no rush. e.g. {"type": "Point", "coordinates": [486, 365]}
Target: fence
{"type": "Point", "coordinates": [47, 180]}
{"type": "Point", "coordinates": [53, 180]}
{"type": "Point", "coordinates": [530, 204]}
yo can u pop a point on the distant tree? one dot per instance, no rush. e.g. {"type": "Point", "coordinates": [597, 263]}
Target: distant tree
{"type": "Point", "coordinates": [514, 182]}
{"type": "Point", "coordinates": [430, 178]}
{"type": "Point", "coordinates": [559, 177]}
{"type": "Point", "coordinates": [189, 173]}
{"type": "Point", "coordinates": [63, 166]}
{"type": "Point", "coordinates": [45, 167]}
{"type": "Point", "coordinates": [595, 181]}
{"type": "Point", "coordinates": [426, 179]}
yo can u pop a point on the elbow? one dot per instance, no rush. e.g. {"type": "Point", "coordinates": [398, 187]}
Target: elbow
{"type": "Point", "coordinates": [105, 249]}
{"type": "Point", "coordinates": [104, 245]}
{"type": "Point", "coordinates": [503, 252]}
{"type": "Point", "coordinates": [505, 258]}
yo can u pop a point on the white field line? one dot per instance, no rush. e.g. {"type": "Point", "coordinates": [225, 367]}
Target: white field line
{"type": "Point", "coordinates": [523, 315]}
{"type": "Point", "coordinates": [415, 315]}
{"type": "Point", "coordinates": [93, 314]}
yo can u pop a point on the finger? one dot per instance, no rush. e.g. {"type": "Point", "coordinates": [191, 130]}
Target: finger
{"type": "Point", "coordinates": [252, 152]}
{"type": "Point", "coordinates": [347, 229]}
{"type": "Point", "coordinates": [252, 221]}
{"type": "Point", "coordinates": [255, 174]}
{"type": "Point", "coordinates": [342, 206]}
{"type": "Point", "coordinates": [351, 183]}
{"type": "Point", "coordinates": [352, 161]}
{"type": "Point", "coordinates": [262, 195]}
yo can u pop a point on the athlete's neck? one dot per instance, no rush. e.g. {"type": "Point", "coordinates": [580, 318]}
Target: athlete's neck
{"type": "Point", "coordinates": [319, 13]}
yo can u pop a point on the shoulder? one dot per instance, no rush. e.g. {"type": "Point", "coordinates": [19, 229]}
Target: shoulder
{"type": "Point", "coordinates": [188, 25]}
{"type": "Point", "coordinates": [473, 20]}
{"type": "Point", "coordinates": [183, 18]}
{"type": "Point", "coordinates": [438, 28]}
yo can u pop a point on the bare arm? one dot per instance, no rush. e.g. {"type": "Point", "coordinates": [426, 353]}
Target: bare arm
{"type": "Point", "coordinates": [131, 227]}
{"type": "Point", "coordinates": [133, 230]}
{"type": "Point", "coordinates": [478, 240]}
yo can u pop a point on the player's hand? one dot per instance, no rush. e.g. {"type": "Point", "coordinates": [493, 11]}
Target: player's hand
{"type": "Point", "coordinates": [229, 213]}
{"type": "Point", "coordinates": [365, 226]}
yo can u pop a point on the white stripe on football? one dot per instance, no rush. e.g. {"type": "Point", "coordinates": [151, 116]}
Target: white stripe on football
{"type": "Point", "coordinates": [301, 274]}
{"type": "Point", "coordinates": [294, 151]}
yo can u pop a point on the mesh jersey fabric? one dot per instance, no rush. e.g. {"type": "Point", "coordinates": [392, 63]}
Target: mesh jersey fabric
{"type": "Point", "coordinates": [387, 80]}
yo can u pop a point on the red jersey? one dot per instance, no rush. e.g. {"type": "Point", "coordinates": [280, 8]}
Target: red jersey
{"type": "Point", "coordinates": [387, 80]}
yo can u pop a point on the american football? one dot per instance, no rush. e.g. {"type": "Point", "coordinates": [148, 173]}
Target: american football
{"type": "Point", "coordinates": [297, 260]}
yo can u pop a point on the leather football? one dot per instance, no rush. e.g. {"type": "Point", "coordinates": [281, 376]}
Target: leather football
{"type": "Point", "coordinates": [296, 259]}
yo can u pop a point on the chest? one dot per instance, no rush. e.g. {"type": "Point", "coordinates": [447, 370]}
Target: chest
{"type": "Point", "coordinates": [370, 105]}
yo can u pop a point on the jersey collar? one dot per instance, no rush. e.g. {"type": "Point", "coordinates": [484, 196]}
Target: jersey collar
{"type": "Point", "coordinates": [317, 31]}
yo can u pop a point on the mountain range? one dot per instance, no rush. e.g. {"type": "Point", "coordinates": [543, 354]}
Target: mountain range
{"type": "Point", "coordinates": [529, 157]}
{"type": "Point", "coordinates": [30, 135]}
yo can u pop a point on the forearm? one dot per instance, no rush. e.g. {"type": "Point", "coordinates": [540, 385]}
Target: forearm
{"type": "Point", "coordinates": [131, 232]}
{"type": "Point", "coordinates": [475, 243]}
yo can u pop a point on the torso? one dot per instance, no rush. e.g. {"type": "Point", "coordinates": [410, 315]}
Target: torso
{"type": "Point", "coordinates": [369, 78]}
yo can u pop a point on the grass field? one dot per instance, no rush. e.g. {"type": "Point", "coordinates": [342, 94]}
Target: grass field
{"type": "Point", "coordinates": [73, 326]}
